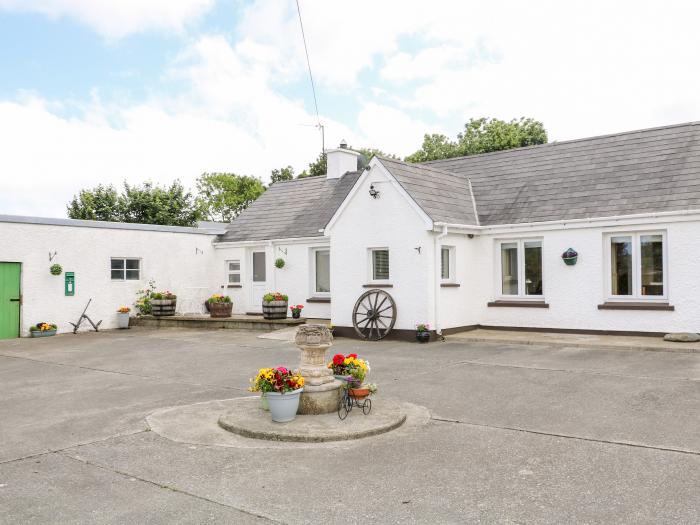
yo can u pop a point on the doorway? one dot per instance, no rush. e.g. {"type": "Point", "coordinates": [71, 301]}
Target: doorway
{"type": "Point", "coordinates": [10, 299]}
{"type": "Point", "coordinates": [258, 281]}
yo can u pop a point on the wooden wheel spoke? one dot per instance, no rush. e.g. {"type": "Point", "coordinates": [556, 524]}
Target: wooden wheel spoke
{"type": "Point", "coordinates": [374, 315]}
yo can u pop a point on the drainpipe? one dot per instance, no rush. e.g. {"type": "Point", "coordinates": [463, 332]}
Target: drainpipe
{"type": "Point", "coordinates": [438, 328]}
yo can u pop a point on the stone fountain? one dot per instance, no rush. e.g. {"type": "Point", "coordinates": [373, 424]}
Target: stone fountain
{"type": "Point", "coordinates": [321, 390]}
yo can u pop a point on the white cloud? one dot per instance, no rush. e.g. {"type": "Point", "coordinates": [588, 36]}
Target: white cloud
{"type": "Point", "coordinates": [117, 18]}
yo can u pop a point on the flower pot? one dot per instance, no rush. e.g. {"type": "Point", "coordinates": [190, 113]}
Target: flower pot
{"type": "Point", "coordinates": [274, 309]}
{"type": "Point", "coordinates": [283, 407]}
{"type": "Point", "coordinates": [570, 261]}
{"type": "Point", "coordinates": [296, 314]}
{"type": "Point", "coordinates": [163, 307]}
{"type": "Point", "coordinates": [358, 393]}
{"type": "Point", "coordinates": [423, 337]}
{"type": "Point", "coordinates": [220, 309]}
{"type": "Point", "coordinates": [122, 320]}
{"type": "Point", "coordinates": [45, 333]}
{"type": "Point", "coordinates": [344, 379]}
{"type": "Point", "coordinates": [264, 404]}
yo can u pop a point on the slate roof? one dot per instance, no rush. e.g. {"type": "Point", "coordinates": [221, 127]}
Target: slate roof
{"type": "Point", "coordinates": [288, 209]}
{"type": "Point", "coordinates": [443, 196]}
{"type": "Point", "coordinates": [650, 170]}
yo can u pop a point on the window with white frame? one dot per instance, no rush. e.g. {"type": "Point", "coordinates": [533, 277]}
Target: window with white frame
{"type": "Point", "coordinates": [321, 259]}
{"type": "Point", "coordinates": [521, 268]}
{"type": "Point", "coordinates": [380, 264]}
{"type": "Point", "coordinates": [124, 269]}
{"type": "Point", "coordinates": [636, 265]}
{"type": "Point", "coordinates": [233, 272]}
{"type": "Point", "coordinates": [447, 263]}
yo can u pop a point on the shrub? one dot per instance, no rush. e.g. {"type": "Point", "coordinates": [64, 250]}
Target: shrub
{"type": "Point", "coordinates": [275, 296]}
{"type": "Point", "coordinates": [56, 269]}
{"type": "Point", "coordinates": [219, 298]}
{"type": "Point", "coordinates": [279, 263]}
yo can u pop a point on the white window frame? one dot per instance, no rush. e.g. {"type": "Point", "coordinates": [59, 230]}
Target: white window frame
{"type": "Point", "coordinates": [451, 270]}
{"type": "Point", "coordinates": [636, 296]}
{"type": "Point", "coordinates": [229, 272]}
{"type": "Point", "coordinates": [312, 280]}
{"type": "Point", "coordinates": [124, 279]}
{"type": "Point", "coordinates": [521, 296]}
{"type": "Point", "coordinates": [370, 265]}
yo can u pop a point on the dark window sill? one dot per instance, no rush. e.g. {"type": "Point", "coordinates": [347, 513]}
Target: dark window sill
{"type": "Point", "coordinates": [234, 286]}
{"type": "Point", "coordinates": [377, 285]}
{"type": "Point", "coordinates": [635, 306]}
{"type": "Point", "coordinates": [449, 285]}
{"type": "Point", "coordinates": [318, 300]}
{"type": "Point", "coordinates": [518, 304]}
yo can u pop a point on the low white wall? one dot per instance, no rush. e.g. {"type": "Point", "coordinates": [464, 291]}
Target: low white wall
{"type": "Point", "coordinates": [180, 262]}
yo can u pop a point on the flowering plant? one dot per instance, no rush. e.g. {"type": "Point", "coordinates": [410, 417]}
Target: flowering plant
{"type": "Point", "coordinates": [277, 379]}
{"type": "Point", "coordinates": [124, 310]}
{"type": "Point", "coordinates": [296, 308]}
{"type": "Point", "coordinates": [219, 298]}
{"type": "Point", "coordinates": [350, 365]}
{"type": "Point", "coordinates": [43, 327]}
{"type": "Point", "coordinates": [422, 327]}
{"type": "Point", "coordinates": [163, 295]}
{"type": "Point", "coordinates": [275, 296]}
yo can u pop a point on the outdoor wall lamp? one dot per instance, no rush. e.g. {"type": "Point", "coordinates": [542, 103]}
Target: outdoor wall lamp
{"type": "Point", "coordinates": [373, 193]}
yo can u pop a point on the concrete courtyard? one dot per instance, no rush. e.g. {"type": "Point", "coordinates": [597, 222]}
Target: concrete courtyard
{"type": "Point", "coordinates": [518, 433]}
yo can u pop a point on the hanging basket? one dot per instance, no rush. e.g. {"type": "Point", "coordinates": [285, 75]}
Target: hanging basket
{"type": "Point", "coordinates": [570, 257]}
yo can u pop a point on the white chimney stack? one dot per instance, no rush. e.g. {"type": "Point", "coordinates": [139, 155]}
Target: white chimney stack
{"type": "Point", "coordinates": [341, 160]}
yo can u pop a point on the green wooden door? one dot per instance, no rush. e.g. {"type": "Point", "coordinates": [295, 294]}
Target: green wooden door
{"type": "Point", "coordinates": [9, 300]}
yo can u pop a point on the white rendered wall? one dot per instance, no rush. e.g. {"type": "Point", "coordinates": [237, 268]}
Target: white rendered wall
{"type": "Point", "coordinates": [178, 262]}
{"type": "Point", "coordinates": [388, 221]}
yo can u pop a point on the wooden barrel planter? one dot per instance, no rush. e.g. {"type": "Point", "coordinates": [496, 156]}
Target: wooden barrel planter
{"type": "Point", "coordinates": [163, 307]}
{"type": "Point", "coordinates": [274, 309]}
{"type": "Point", "coordinates": [219, 310]}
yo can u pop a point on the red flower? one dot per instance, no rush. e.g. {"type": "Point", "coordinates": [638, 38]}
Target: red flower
{"type": "Point", "coordinates": [338, 359]}
{"type": "Point", "coordinates": [282, 370]}
{"type": "Point", "coordinates": [353, 355]}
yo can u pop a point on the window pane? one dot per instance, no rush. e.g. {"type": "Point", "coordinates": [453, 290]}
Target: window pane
{"type": "Point", "coordinates": [132, 264]}
{"type": "Point", "coordinates": [445, 263]}
{"type": "Point", "coordinates": [118, 275]}
{"type": "Point", "coordinates": [380, 264]}
{"type": "Point", "coordinates": [621, 265]}
{"type": "Point", "coordinates": [509, 268]}
{"type": "Point", "coordinates": [652, 264]}
{"type": "Point", "coordinates": [234, 278]}
{"type": "Point", "coordinates": [132, 275]}
{"type": "Point", "coordinates": [234, 266]}
{"type": "Point", "coordinates": [533, 268]}
{"type": "Point", "coordinates": [117, 264]}
{"type": "Point", "coordinates": [259, 267]}
{"type": "Point", "coordinates": [323, 271]}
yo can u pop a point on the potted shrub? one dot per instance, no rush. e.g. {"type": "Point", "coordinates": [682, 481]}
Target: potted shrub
{"type": "Point", "coordinates": [274, 305]}
{"type": "Point", "coordinates": [296, 310]}
{"type": "Point", "coordinates": [220, 305]}
{"type": "Point", "coordinates": [353, 371]}
{"type": "Point", "coordinates": [570, 257]}
{"type": "Point", "coordinates": [279, 263]}
{"type": "Point", "coordinates": [43, 330]}
{"type": "Point", "coordinates": [163, 303]}
{"type": "Point", "coordinates": [123, 317]}
{"type": "Point", "coordinates": [281, 388]}
{"type": "Point", "coordinates": [423, 332]}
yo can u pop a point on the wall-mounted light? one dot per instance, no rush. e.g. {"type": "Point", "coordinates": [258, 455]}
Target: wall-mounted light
{"type": "Point", "coordinates": [373, 193]}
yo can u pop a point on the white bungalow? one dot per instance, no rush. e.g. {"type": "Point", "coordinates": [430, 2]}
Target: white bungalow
{"type": "Point", "coordinates": [458, 243]}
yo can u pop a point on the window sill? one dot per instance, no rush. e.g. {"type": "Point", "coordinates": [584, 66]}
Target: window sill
{"type": "Point", "coordinates": [234, 286]}
{"type": "Point", "coordinates": [449, 285]}
{"type": "Point", "coordinates": [518, 304]}
{"type": "Point", "coordinates": [620, 305]}
{"type": "Point", "coordinates": [378, 285]}
{"type": "Point", "coordinates": [318, 300]}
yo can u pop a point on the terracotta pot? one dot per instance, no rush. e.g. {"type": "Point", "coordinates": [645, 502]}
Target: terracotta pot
{"type": "Point", "coordinates": [220, 309]}
{"type": "Point", "coordinates": [358, 393]}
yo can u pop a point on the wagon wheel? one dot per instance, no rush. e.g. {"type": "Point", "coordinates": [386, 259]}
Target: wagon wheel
{"type": "Point", "coordinates": [374, 315]}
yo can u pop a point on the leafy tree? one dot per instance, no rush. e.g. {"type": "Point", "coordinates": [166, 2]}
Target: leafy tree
{"type": "Point", "coordinates": [223, 196]}
{"type": "Point", "coordinates": [101, 203]}
{"type": "Point", "coordinates": [282, 174]}
{"type": "Point", "coordinates": [316, 168]}
{"type": "Point", "coordinates": [482, 135]}
{"type": "Point", "coordinates": [149, 204]}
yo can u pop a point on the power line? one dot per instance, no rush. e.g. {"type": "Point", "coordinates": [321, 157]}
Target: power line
{"type": "Point", "coordinates": [311, 78]}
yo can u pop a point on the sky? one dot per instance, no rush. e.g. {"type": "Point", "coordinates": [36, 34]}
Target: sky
{"type": "Point", "coordinates": [106, 91]}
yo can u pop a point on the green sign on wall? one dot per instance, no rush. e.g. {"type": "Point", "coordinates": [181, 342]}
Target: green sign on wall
{"type": "Point", "coordinates": [70, 283]}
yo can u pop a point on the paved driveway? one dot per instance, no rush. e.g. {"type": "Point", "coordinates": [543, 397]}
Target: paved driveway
{"type": "Point", "coordinates": [519, 434]}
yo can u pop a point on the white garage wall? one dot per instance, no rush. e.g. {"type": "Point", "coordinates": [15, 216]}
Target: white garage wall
{"type": "Point", "coordinates": [180, 262]}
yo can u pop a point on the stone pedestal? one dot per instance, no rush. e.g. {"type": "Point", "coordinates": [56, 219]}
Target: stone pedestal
{"type": "Point", "coordinates": [321, 390]}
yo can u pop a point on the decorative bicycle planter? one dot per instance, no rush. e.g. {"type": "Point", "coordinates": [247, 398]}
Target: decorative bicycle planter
{"type": "Point", "coordinates": [354, 397]}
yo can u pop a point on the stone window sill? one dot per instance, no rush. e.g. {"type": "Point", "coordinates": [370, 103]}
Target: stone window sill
{"type": "Point", "coordinates": [449, 285]}
{"type": "Point", "coordinates": [318, 300]}
{"type": "Point", "coordinates": [378, 285]}
{"type": "Point", "coordinates": [518, 304]}
{"type": "Point", "coordinates": [620, 305]}
{"type": "Point", "coordinates": [234, 286]}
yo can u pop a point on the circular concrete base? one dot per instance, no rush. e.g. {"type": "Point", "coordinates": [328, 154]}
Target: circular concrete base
{"type": "Point", "coordinates": [247, 419]}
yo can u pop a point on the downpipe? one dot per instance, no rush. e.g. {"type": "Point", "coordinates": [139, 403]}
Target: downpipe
{"type": "Point", "coordinates": [438, 326]}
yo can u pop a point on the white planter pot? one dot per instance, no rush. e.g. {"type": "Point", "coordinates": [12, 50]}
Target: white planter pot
{"type": "Point", "coordinates": [283, 407]}
{"type": "Point", "coordinates": [122, 320]}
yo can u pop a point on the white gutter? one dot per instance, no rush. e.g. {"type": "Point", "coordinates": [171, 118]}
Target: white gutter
{"type": "Point", "coordinates": [262, 242]}
{"type": "Point", "coordinates": [438, 278]}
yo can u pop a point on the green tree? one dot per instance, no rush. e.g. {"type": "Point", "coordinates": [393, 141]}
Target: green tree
{"type": "Point", "coordinates": [482, 135]}
{"type": "Point", "coordinates": [149, 204]}
{"type": "Point", "coordinates": [282, 174]}
{"type": "Point", "coordinates": [316, 168]}
{"type": "Point", "coordinates": [101, 203]}
{"type": "Point", "coordinates": [223, 196]}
